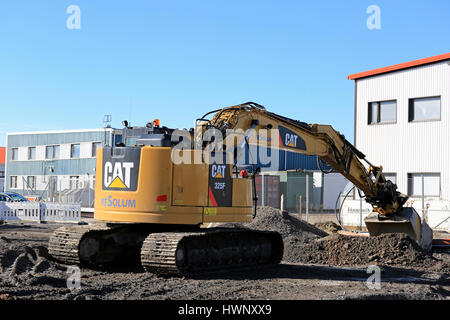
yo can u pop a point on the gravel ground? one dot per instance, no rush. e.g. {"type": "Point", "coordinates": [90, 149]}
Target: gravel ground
{"type": "Point", "coordinates": [312, 269]}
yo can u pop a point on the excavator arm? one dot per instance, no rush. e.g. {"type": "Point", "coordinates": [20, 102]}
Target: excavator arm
{"type": "Point", "coordinates": [246, 121]}
{"type": "Point", "coordinates": [310, 139]}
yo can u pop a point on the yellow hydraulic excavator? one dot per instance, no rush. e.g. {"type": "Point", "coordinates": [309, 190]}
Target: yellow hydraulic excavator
{"type": "Point", "coordinates": [153, 196]}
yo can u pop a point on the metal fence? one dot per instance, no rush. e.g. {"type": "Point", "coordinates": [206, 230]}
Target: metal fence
{"type": "Point", "coordinates": [27, 211]}
{"type": "Point", "coordinates": [306, 193]}
{"type": "Point", "coordinates": [310, 193]}
{"type": "Point", "coordinates": [79, 190]}
{"type": "Point", "coordinates": [39, 212]}
{"type": "Point", "coordinates": [425, 196]}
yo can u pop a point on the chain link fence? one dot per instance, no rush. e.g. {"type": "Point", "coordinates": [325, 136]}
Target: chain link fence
{"type": "Point", "coordinates": [58, 189]}
{"type": "Point", "coordinates": [309, 194]}
{"type": "Point", "coordinates": [317, 197]}
{"type": "Point", "coordinates": [425, 196]}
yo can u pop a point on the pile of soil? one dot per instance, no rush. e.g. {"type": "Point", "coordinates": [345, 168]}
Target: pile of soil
{"type": "Point", "coordinates": [305, 243]}
{"type": "Point", "coordinates": [388, 249]}
{"type": "Point", "coordinates": [24, 264]}
{"type": "Point", "coordinates": [295, 233]}
{"type": "Point", "coordinates": [271, 219]}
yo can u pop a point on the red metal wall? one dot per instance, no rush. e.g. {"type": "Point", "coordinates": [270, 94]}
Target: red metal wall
{"type": "Point", "coordinates": [271, 191]}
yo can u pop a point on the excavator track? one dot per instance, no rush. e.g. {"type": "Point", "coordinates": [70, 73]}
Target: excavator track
{"type": "Point", "coordinates": [185, 253]}
{"type": "Point", "coordinates": [97, 244]}
{"type": "Point", "coordinates": [65, 242]}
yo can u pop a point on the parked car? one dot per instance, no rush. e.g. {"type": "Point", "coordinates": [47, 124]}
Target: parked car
{"type": "Point", "coordinates": [12, 197]}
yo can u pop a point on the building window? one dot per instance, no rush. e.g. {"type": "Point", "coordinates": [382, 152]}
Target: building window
{"type": "Point", "coordinates": [2, 174]}
{"type": "Point", "coordinates": [14, 154]}
{"type": "Point", "coordinates": [13, 182]}
{"type": "Point", "coordinates": [74, 182]}
{"type": "Point", "coordinates": [431, 184]}
{"type": "Point", "coordinates": [51, 152]}
{"type": "Point", "coordinates": [117, 139]}
{"type": "Point", "coordinates": [75, 150]}
{"type": "Point", "coordinates": [131, 141]}
{"type": "Point", "coordinates": [31, 182]}
{"type": "Point", "coordinates": [391, 176]}
{"type": "Point", "coordinates": [31, 153]}
{"type": "Point", "coordinates": [95, 146]}
{"type": "Point", "coordinates": [425, 109]}
{"type": "Point", "coordinates": [382, 112]}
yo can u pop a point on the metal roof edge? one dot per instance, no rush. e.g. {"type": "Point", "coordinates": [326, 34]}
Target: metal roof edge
{"type": "Point", "coordinates": [61, 131]}
{"type": "Point", "coordinates": [400, 66]}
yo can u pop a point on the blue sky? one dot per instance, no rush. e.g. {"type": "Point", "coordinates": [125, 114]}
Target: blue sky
{"type": "Point", "coordinates": [176, 60]}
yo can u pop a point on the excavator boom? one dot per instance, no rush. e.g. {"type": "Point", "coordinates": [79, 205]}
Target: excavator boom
{"type": "Point", "coordinates": [331, 147]}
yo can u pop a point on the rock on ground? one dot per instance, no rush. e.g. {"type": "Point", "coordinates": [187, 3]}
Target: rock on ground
{"type": "Point", "coordinates": [329, 226]}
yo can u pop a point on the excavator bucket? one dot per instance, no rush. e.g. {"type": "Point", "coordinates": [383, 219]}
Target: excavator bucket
{"type": "Point", "coordinates": [406, 221]}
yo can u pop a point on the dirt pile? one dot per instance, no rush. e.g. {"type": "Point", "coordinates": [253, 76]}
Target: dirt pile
{"type": "Point", "coordinates": [296, 233]}
{"type": "Point", "coordinates": [387, 249]}
{"type": "Point", "coordinates": [268, 218]}
{"type": "Point", "coordinates": [305, 243]}
{"type": "Point", "coordinates": [23, 264]}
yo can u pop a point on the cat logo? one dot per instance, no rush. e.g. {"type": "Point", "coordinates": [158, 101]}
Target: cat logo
{"type": "Point", "coordinates": [218, 171]}
{"type": "Point", "coordinates": [290, 140]}
{"type": "Point", "coordinates": [119, 176]}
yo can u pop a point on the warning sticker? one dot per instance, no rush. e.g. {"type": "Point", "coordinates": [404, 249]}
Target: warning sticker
{"type": "Point", "coordinates": [209, 211]}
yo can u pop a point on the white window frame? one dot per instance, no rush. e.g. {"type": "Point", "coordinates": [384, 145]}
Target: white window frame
{"type": "Point", "coordinates": [74, 180]}
{"type": "Point", "coordinates": [29, 153]}
{"type": "Point", "coordinates": [411, 109]}
{"type": "Point", "coordinates": [370, 121]}
{"type": "Point", "coordinates": [413, 193]}
{"type": "Point", "coordinates": [53, 148]}
{"type": "Point", "coordinates": [11, 184]}
{"type": "Point", "coordinates": [29, 185]}
{"type": "Point", "coordinates": [92, 148]}
{"type": "Point", "coordinates": [387, 174]}
{"type": "Point", "coordinates": [71, 150]}
{"type": "Point", "coordinates": [14, 152]}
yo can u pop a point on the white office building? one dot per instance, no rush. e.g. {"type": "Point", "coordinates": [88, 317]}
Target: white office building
{"type": "Point", "coordinates": [402, 122]}
{"type": "Point", "coordinates": [49, 163]}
